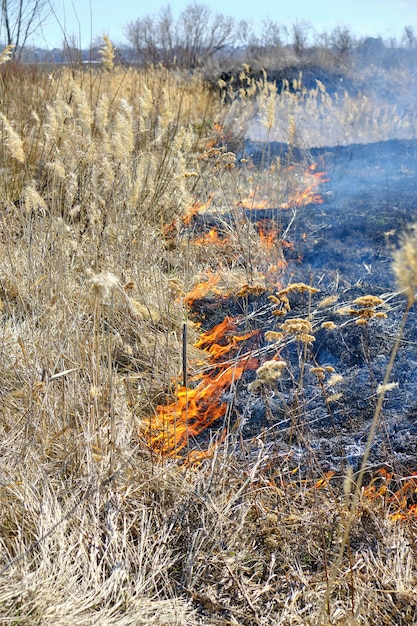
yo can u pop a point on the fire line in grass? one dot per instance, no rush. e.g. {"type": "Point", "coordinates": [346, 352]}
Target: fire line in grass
{"type": "Point", "coordinates": [399, 495]}
{"type": "Point", "coordinates": [308, 192]}
{"type": "Point", "coordinates": [199, 404]}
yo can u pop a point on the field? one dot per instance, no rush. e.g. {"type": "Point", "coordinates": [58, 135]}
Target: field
{"type": "Point", "coordinates": [129, 493]}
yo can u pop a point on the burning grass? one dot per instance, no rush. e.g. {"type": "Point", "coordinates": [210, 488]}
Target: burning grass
{"type": "Point", "coordinates": [114, 509]}
{"type": "Point", "coordinates": [195, 408]}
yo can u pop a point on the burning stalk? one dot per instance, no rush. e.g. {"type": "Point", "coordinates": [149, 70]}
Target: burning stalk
{"type": "Point", "coordinates": [196, 408]}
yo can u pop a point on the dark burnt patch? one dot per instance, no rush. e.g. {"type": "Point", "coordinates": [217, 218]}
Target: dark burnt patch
{"type": "Point", "coordinates": [345, 247]}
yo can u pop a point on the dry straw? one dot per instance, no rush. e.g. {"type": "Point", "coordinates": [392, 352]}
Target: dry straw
{"type": "Point", "coordinates": [404, 265]}
{"type": "Point", "coordinates": [107, 53]}
{"type": "Point", "coordinates": [93, 528]}
{"type": "Point", "coordinates": [12, 140]}
{"type": "Point", "coordinates": [7, 53]}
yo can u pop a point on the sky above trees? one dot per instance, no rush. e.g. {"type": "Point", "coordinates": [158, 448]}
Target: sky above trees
{"type": "Point", "coordinates": [83, 22]}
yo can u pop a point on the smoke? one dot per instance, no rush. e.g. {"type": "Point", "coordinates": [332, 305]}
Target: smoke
{"type": "Point", "coordinates": [371, 98]}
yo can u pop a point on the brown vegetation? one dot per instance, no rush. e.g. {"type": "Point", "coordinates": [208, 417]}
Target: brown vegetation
{"type": "Point", "coordinates": [100, 170]}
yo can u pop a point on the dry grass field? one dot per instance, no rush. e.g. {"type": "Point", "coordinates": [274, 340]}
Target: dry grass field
{"type": "Point", "coordinates": [111, 513]}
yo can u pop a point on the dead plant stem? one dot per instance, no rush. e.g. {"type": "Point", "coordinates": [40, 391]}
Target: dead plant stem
{"type": "Point", "coordinates": [346, 528]}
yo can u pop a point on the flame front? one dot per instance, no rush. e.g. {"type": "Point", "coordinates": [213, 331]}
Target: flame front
{"type": "Point", "coordinates": [200, 403]}
{"type": "Point", "coordinates": [203, 288]}
{"type": "Point", "coordinates": [197, 208]}
{"type": "Point", "coordinates": [196, 408]}
{"type": "Point", "coordinates": [268, 233]}
{"type": "Point", "coordinates": [383, 487]}
{"type": "Point", "coordinates": [309, 194]}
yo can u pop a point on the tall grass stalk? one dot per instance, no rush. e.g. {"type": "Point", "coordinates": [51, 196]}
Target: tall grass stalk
{"type": "Point", "coordinates": [99, 168]}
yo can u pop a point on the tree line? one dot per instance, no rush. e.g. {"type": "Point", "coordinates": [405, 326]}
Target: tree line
{"type": "Point", "coordinates": [197, 36]}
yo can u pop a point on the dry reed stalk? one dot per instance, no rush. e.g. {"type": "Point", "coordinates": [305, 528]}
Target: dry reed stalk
{"type": "Point", "coordinates": [96, 531]}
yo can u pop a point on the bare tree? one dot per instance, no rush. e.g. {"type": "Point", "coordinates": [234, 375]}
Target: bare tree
{"type": "Point", "coordinates": [264, 45]}
{"type": "Point", "coordinates": [20, 19]}
{"type": "Point", "coordinates": [167, 31]}
{"type": "Point", "coordinates": [300, 31]}
{"type": "Point", "coordinates": [190, 41]}
{"type": "Point", "coordinates": [203, 34]}
{"type": "Point", "coordinates": [341, 40]}
{"type": "Point", "coordinates": [409, 38]}
{"type": "Point", "coordinates": [144, 37]}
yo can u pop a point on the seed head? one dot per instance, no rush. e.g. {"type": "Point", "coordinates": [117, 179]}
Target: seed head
{"type": "Point", "coordinates": [12, 139]}
{"type": "Point", "coordinates": [404, 264]}
{"type": "Point", "coordinates": [107, 54]}
{"type": "Point", "coordinates": [368, 302]}
{"type": "Point", "coordinates": [388, 387]}
{"type": "Point", "coordinates": [267, 374]}
{"type": "Point", "coordinates": [327, 301]}
{"type": "Point", "coordinates": [103, 285]}
{"type": "Point", "coordinates": [6, 54]}
{"type": "Point", "coordinates": [328, 325]}
{"type": "Point", "coordinates": [334, 397]}
{"type": "Point", "coordinates": [301, 287]}
{"type": "Point", "coordinates": [300, 328]}
{"type": "Point", "coordinates": [320, 372]}
{"type": "Point", "coordinates": [272, 335]}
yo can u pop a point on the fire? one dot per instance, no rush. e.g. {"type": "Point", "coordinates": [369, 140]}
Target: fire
{"type": "Point", "coordinates": [200, 403]}
{"type": "Point", "coordinates": [379, 489]}
{"type": "Point", "coordinates": [274, 271]}
{"type": "Point", "coordinates": [268, 233]}
{"type": "Point", "coordinates": [218, 332]}
{"type": "Point", "coordinates": [208, 340]}
{"type": "Point", "coordinates": [325, 479]}
{"type": "Point", "coordinates": [197, 208]}
{"type": "Point", "coordinates": [252, 203]}
{"type": "Point", "coordinates": [196, 408]}
{"type": "Point", "coordinates": [309, 194]}
{"type": "Point", "coordinates": [194, 457]}
{"type": "Point", "coordinates": [311, 180]}
{"type": "Point", "coordinates": [211, 238]}
{"type": "Point", "coordinates": [203, 288]}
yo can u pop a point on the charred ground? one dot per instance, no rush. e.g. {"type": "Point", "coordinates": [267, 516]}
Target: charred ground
{"type": "Point", "coordinates": [342, 247]}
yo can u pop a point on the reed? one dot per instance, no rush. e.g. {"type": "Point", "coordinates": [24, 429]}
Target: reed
{"type": "Point", "coordinates": [101, 172]}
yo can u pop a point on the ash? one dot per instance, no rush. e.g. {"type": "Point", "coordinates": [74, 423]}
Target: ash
{"type": "Point", "coordinates": [343, 248]}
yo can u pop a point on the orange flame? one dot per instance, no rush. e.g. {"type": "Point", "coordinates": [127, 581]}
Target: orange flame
{"type": "Point", "coordinates": [211, 238]}
{"type": "Point", "coordinates": [202, 289]}
{"type": "Point", "coordinates": [268, 233]}
{"type": "Point", "coordinates": [195, 409]}
{"type": "Point", "coordinates": [379, 489]}
{"type": "Point", "coordinates": [310, 193]}
{"type": "Point", "coordinates": [197, 208]}
{"type": "Point", "coordinates": [252, 203]}
{"type": "Point", "coordinates": [208, 340]}
{"type": "Point", "coordinates": [199, 404]}
{"type": "Point", "coordinates": [194, 457]}
{"type": "Point", "coordinates": [325, 479]}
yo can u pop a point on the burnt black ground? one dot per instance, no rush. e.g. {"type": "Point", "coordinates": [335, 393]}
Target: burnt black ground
{"type": "Point", "coordinates": [345, 247]}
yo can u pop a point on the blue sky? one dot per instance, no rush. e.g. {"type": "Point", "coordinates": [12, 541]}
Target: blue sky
{"type": "Point", "coordinates": [89, 19]}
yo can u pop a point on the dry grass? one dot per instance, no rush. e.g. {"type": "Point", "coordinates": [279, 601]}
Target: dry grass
{"type": "Point", "coordinates": [314, 117]}
{"type": "Point", "coordinates": [94, 528]}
